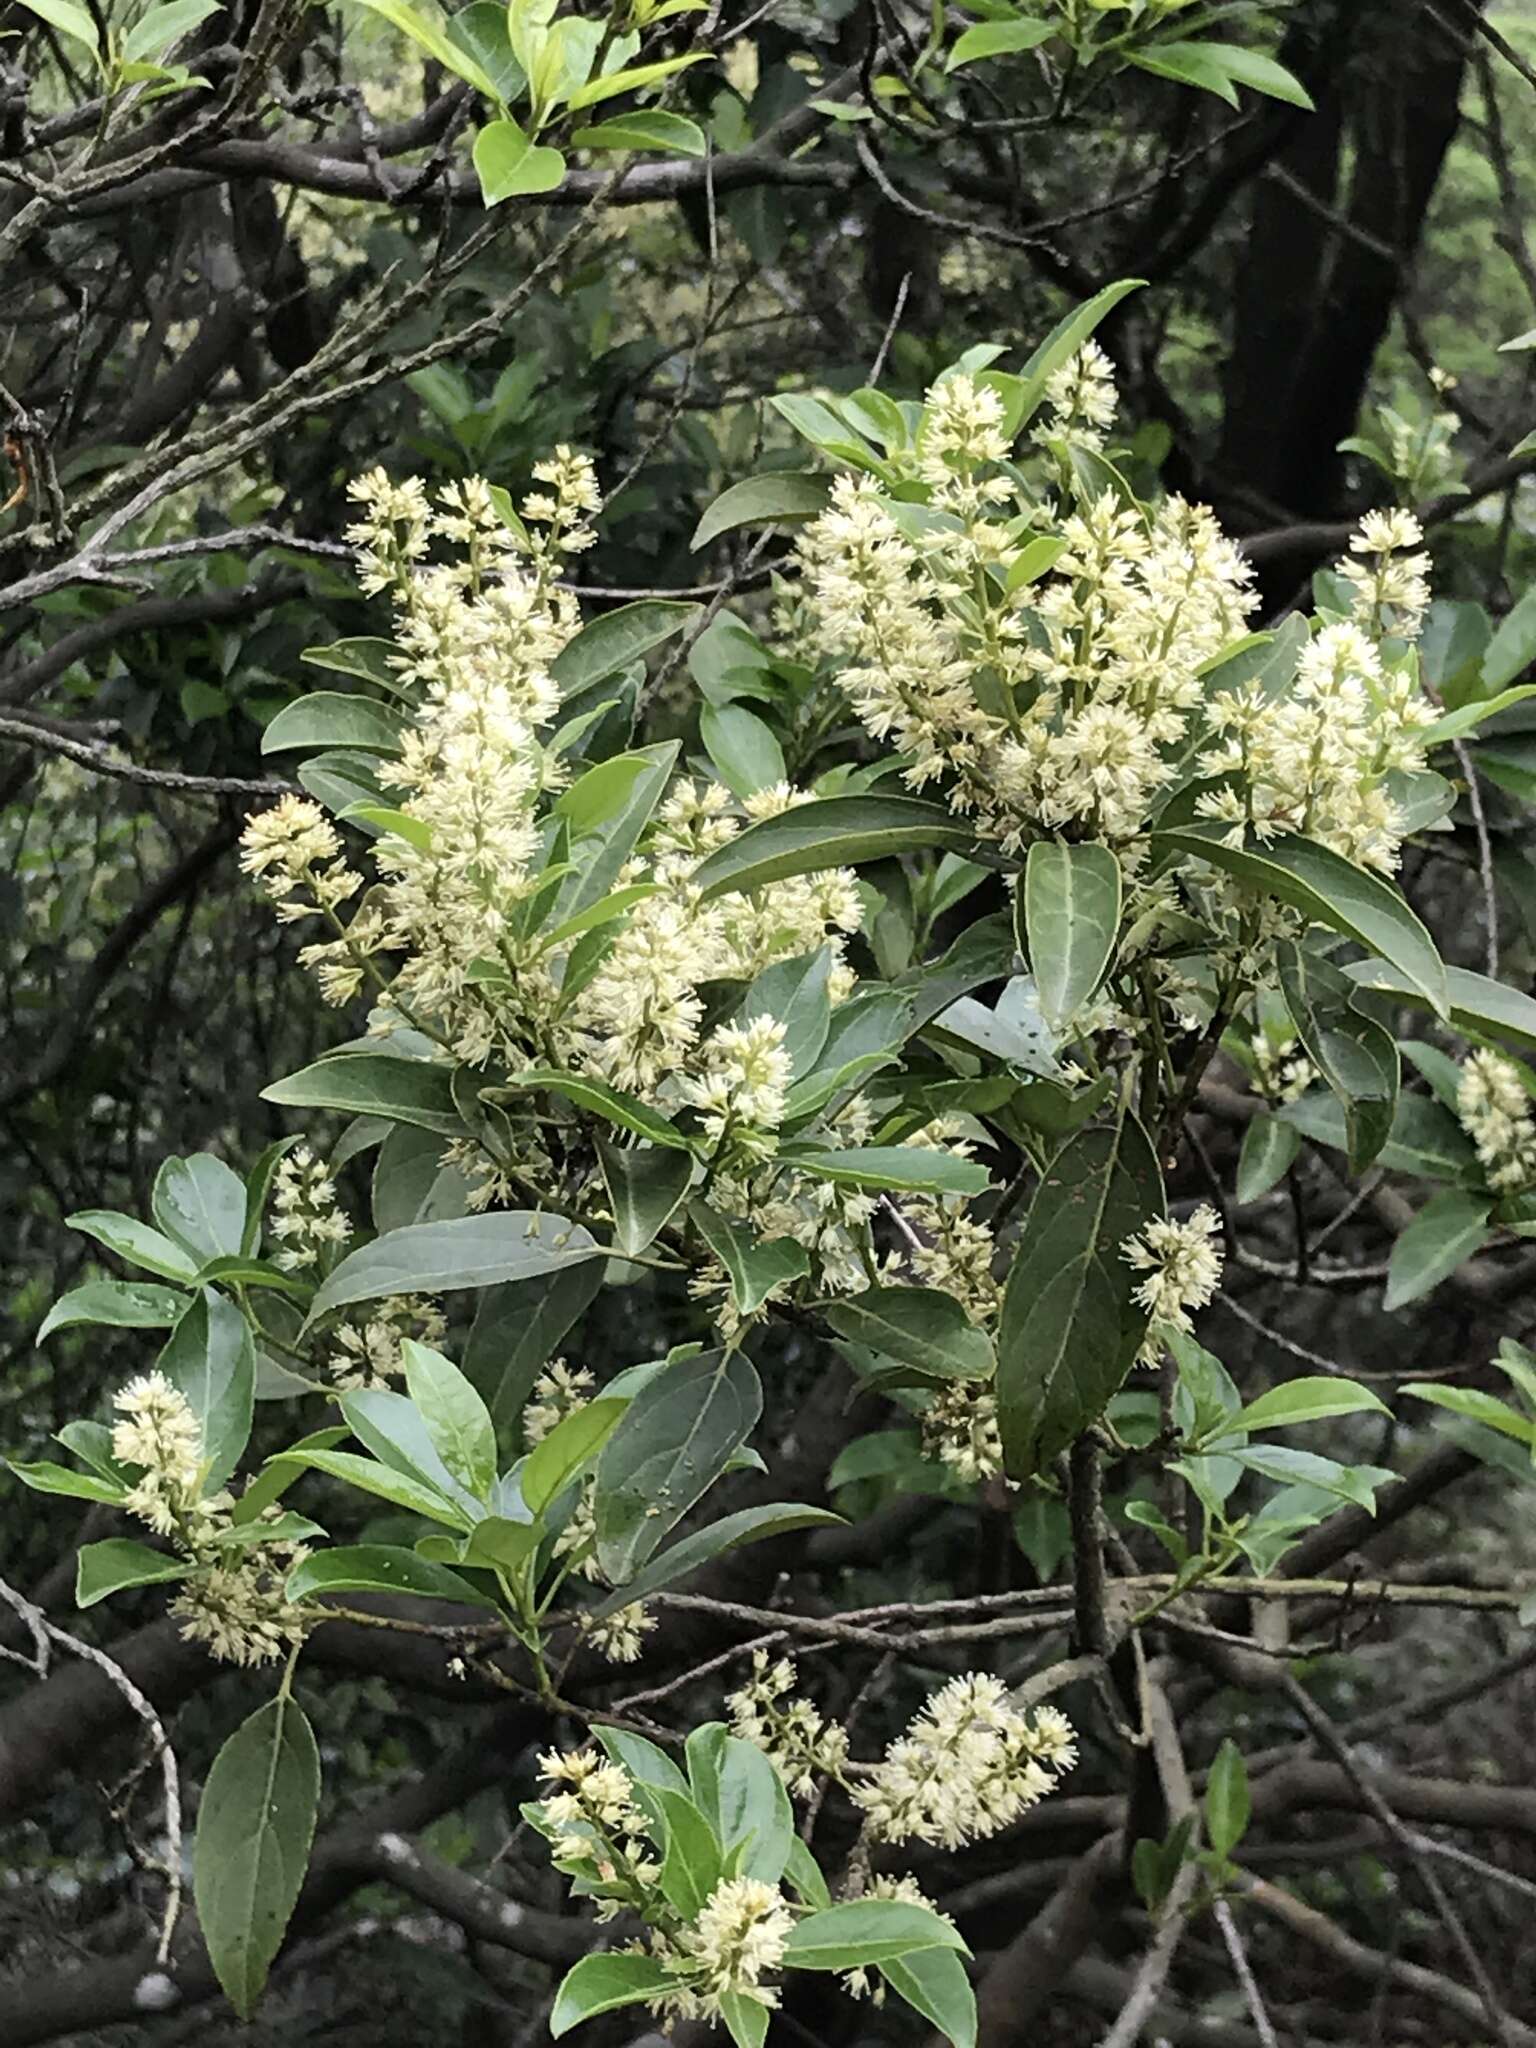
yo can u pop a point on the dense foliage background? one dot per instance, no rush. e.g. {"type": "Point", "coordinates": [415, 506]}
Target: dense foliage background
{"type": "Point", "coordinates": [219, 310]}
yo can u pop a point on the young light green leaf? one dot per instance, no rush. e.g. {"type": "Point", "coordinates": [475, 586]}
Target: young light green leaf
{"type": "Point", "coordinates": [601, 1983]}
{"type": "Point", "coordinates": [692, 1865]}
{"type": "Point", "coordinates": [69, 19]}
{"type": "Point", "coordinates": [573, 1443]}
{"type": "Point", "coordinates": [508, 162]}
{"type": "Point", "coordinates": [1227, 1802]}
{"type": "Point", "coordinates": [1062, 344]}
{"type": "Point", "coordinates": [425, 32]}
{"type": "Point", "coordinates": [1071, 900]}
{"type": "Point", "coordinates": [644, 129]}
{"type": "Point", "coordinates": [999, 39]}
{"type": "Point", "coordinates": [1476, 1406]}
{"type": "Point", "coordinates": [45, 1476]}
{"type": "Point", "coordinates": [1451, 1228]}
{"type": "Point", "coordinates": [254, 1830]}
{"type": "Point", "coordinates": [456, 1418]}
{"type": "Point", "coordinates": [381, 1480]}
{"type": "Point", "coordinates": [154, 32]}
{"type": "Point", "coordinates": [863, 1932]}
{"type": "Point", "coordinates": [1303, 1400]}
{"type": "Point", "coordinates": [633, 80]}
{"type": "Point", "coordinates": [1070, 1325]}
{"type": "Point", "coordinates": [934, 1983]}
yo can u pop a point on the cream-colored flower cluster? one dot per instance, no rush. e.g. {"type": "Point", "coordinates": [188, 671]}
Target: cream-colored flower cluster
{"type": "Point", "coordinates": [1499, 1117]}
{"type": "Point", "coordinates": [1181, 1268]}
{"type": "Point", "coordinates": [1072, 695]}
{"type": "Point", "coordinates": [789, 1729]}
{"type": "Point", "coordinates": [969, 1764]}
{"type": "Point", "coordinates": [599, 1831]}
{"type": "Point", "coordinates": [232, 1598]}
{"type": "Point", "coordinates": [306, 1218]}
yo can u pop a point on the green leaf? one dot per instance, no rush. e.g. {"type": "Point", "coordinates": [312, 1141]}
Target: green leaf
{"type": "Point", "coordinates": [784, 497]}
{"type": "Point", "coordinates": [456, 1418]}
{"type": "Point", "coordinates": [1477, 1406]}
{"type": "Point", "coordinates": [200, 1204]}
{"type": "Point", "coordinates": [519, 1326]}
{"type": "Point", "coordinates": [1070, 1326]}
{"type": "Point", "coordinates": [407, 1091]}
{"type": "Point", "coordinates": [1355, 1055]}
{"type": "Point", "coordinates": [119, 1304]}
{"type": "Point", "coordinates": [742, 1796]}
{"type": "Point", "coordinates": [1330, 890]}
{"type": "Point", "coordinates": [641, 129]}
{"type": "Point", "coordinates": [571, 1444]}
{"type": "Point", "coordinates": [834, 831]}
{"type": "Point", "coordinates": [922, 1326]}
{"type": "Point", "coordinates": [1062, 344]}
{"type": "Point", "coordinates": [1450, 1229]}
{"type": "Point", "coordinates": [600, 1983]}
{"type": "Point", "coordinates": [1227, 1802]}
{"type": "Point", "coordinates": [742, 747]}
{"type": "Point", "coordinates": [615, 639]}
{"type": "Point", "coordinates": [755, 1268]}
{"type": "Point", "coordinates": [1071, 903]}
{"type": "Point", "coordinates": [795, 994]}
{"type": "Point", "coordinates": [380, 1568]}
{"type": "Point", "coordinates": [1354, 1483]}
{"type": "Point", "coordinates": [673, 1442]}
{"type": "Point", "coordinates": [803, 1874]}
{"type": "Point", "coordinates": [746, 2018]}
{"type": "Point", "coordinates": [445, 1258]}
{"type": "Point", "coordinates": [893, 1167]}
{"type": "Point", "coordinates": [45, 1476]}
{"type": "Point", "coordinates": [692, 1865]}
{"type": "Point", "coordinates": [1269, 1152]}
{"type": "Point", "coordinates": [135, 1242]}
{"type": "Point", "coordinates": [646, 1764]}
{"type": "Point", "coordinates": [999, 39]}
{"type": "Point", "coordinates": [1479, 1007]}
{"type": "Point", "coordinates": [155, 31]}
{"type": "Point", "coordinates": [605, 853]}
{"type": "Point", "coordinates": [367, 659]}
{"type": "Point", "coordinates": [864, 1932]}
{"type": "Point", "coordinates": [508, 162]}
{"type": "Point", "coordinates": [69, 19]}
{"type": "Point", "coordinates": [254, 1830]}
{"type": "Point", "coordinates": [1425, 1138]}
{"type": "Point", "coordinates": [432, 39]}
{"type": "Point", "coordinates": [633, 80]}
{"type": "Point", "coordinates": [394, 1429]}
{"type": "Point", "coordinates": [748, 1525]}
{"type": "Point", "coordinates": [1455, 723]}
{"type": "Point", "coordinates": [627, 1111]}
{"type": "Point", "coordinates": [1201, 64]}
{"type": "Point", "coordinates": [1513, 646]}
{"type": "Point", "coordinates": [934, 1983]}
{"type": "Point", "coordinates": [109, 1567]}
{"type": "Point", "coordinates": [381, 1480]}
{"type": "Point", "coordinates": [1303, 1400]}
{"type": "Point", "coordinates": [645, 1187]}
{"type": "Point", "coordinates": [327, 718]}
{"type": "Point", "coordinates": [210, 1358]}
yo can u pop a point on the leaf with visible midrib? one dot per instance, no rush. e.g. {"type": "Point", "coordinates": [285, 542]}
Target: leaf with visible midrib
{"type": "Point", "coordinates": [255, 1826]}
{"type": "Point", "coordinates": [442, 1258]}
{"type": "Point", "coordinates": [1070, 1327]}
{"type": "Point", "coordinates": [835, 831]}
{"type": "Point", "coordinates": [1072, 919]}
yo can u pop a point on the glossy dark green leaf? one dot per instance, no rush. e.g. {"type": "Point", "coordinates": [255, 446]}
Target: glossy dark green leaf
{"type": "Point", "coordinates": [1070, 1326]}
{"type": "Point", "coordinates": [1355, 1055]}
{"type": "Point", "coordinates": [627, 1111]}
{"type": "Point", "coordinates": [755, 1268]}
{"type": "Point", "coordinates": [777, 498]}
{"type": "Point", "coordinates": [445, 1258]}
{"type": "Point", "coordinates": [860, 1933]}
{"type": "Point", "coordinates": [748, 1525]}
{"type": "Point", "coordinates": [911, 1168]}
{"type": "Point", "coordinates": [519, 1326]}
{"type": "Point", "coordinates": [834, 831]}
{"type": "Point", "coordinates": [933, 1982]}
{"type": "Point", "coordinates": [1331, 891]}
{"type": "Point", "coordinates": [672, 1444]}
{"type": "Point", "coordinates": [922, 1326]}
{"type": "Point", "coordinates": [613, 640]}
{"type": "Point", "coordinates": [381, 1084]}
{"type": "Point", "coordinates": [1268, 1153]}
{"type": "Point", "coordinates": [326, 718]}
{"type": "Point", "coordinates": [646, 1184]}
{"type": "Point", "coordinates": [211, 1359]}
{"type": "Point", "coordinates": [380, 1568]}
{"type": "Point", "coordinates": [601, 1983]}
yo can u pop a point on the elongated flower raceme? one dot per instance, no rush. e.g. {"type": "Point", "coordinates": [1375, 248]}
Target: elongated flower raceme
{"type": "Point", "coordinates": [1499, 1117]}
